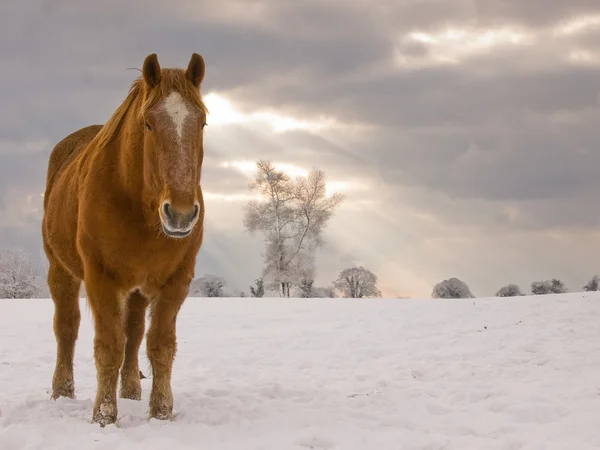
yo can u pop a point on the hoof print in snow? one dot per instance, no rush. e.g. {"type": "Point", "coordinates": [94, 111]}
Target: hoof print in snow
{"type": "Point", "coordinates": [416, 374]}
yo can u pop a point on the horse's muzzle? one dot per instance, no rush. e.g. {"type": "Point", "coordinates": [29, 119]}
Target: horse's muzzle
{"type": "Point", "coordinates": [178, 224]}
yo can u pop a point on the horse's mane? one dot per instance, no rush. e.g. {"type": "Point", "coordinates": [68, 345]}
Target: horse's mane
{"type": "Point", "coordinates": [171, 79]}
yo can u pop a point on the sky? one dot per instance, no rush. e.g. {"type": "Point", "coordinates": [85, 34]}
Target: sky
{"type": "Point", "coordinates": [464, 133]}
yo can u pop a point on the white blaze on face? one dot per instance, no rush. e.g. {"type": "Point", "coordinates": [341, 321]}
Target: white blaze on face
{"type": "Point", "coordinates": [179, 159]}
{"type": "Point", "coordinates": [177, 110]}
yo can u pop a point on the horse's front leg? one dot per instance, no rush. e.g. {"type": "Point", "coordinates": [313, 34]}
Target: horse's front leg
{"type": "Point", "coordinates": [135, 324]}
{"type": "Point", "coordinates": [109, 342]}
{"type": "Point", "coordinates": [161, 344]}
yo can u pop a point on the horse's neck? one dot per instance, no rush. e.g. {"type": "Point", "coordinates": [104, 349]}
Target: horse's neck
{"type": "Point", "coordinates": [130, 163]}
{"type": "Point", "coordinates": [123, 158]}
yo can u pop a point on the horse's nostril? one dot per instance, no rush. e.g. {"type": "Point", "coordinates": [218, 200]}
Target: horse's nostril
{"type": "Point", "coordinates": [196, 212]}
{"type": "Point", "coordinates": [167, 210]}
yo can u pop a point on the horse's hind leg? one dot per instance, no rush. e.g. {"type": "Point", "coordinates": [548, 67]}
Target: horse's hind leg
{"type": "Point", "coordinates": [135, 325]}
{"type": "Point", "coordinates": [64, 289]}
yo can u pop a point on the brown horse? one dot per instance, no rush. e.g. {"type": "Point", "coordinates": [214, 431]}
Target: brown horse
{"type": "Point", "coordinates": [124, 213]}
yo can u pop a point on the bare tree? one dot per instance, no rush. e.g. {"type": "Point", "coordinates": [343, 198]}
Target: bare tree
{"type": "Point", "coordinates": [17, 275]}
{"type": "Point", "coordinates": [452, 288]}
{"type": "Point", "coordinates": [292, 215]}
{"type": "Point", "coordinates": [511, 290]}
{"type": "Point", "coordinates": [357, 282]}
{"type": "Point", "coordinates": [593, 284]}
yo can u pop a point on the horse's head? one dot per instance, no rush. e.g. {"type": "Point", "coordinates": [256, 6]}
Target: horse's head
{"type": "Point", "coordinates": [174, 116]}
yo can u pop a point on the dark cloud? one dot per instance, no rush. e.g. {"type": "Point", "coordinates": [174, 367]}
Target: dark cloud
{"type": "Point", "coordinates": [449, 96]}
{"type": "Point", "coordinates": [532, 13]}
{"type": "Point", "coordinates": [23, 171]}
{"type": "Point", "coordinates": [524, 161]}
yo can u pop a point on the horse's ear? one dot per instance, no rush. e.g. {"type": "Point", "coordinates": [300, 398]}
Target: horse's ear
{"type": "Point", "coordinates": [151, 70]}
{"type": "Point", "coordinates": [195, 70]}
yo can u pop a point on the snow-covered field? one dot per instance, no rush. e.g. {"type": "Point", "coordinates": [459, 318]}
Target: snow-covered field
{"type": "Point", "coordinates": [273, 374]}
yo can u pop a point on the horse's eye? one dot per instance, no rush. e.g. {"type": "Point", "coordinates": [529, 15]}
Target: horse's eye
{"type": "Point", "coordinates": [148, 126]}
{"type": "Point", "coordinates": [204, 124]}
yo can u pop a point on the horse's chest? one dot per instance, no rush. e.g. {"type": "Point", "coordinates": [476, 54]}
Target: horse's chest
{"type": "Point", "coordinates": [157, 260]}
{"type": "Point", "coordinates": [151, 264]}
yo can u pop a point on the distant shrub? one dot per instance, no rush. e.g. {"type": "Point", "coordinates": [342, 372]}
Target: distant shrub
{"type": "Point", "coordinates": [511, 290]}
{"type": "Point", "coordinates": [593, 284]}
{"type": "Point", "coordinates": [554, 286]}
{"type": "Point", "coordinates": [452, 288]}
{"type": "Point", "coordinates": [17, 275]}
{"type": "Point", "coordinates": [258, 290]}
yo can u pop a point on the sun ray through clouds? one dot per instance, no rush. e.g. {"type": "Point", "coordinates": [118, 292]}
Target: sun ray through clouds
{"type": "Point", "coordinates": [236, 154]}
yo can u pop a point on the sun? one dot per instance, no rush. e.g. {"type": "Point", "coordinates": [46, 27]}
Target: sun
{"type": "Point", "coordinates": [222, 111]}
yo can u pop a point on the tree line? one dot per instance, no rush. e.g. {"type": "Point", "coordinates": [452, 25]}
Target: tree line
{"type": "Point", "coordinates": [455, 288]}
{"type": "Point", "coordinates": [20, 279]}
{"type": "Point", "coordinates": [354, 282]}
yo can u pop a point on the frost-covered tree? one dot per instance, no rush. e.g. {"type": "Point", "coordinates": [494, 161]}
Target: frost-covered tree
{"type": "Point", "coordinates": [452, 288]}
{"type": "Point", "coordinates": [554, 286]}
{"type": "Point", "coordinates": [258, 290]}
{"type": "Point", "coordinates": [301, 267]}
{"type": "Point", "coordinates": [17, 275]}
{"type": "Point", "coordinates": [593, 284]}
{"type": "Point", "coordinates": [214, 288]}
{"type": "Point", "coordinates": [306, 288]}
{"type": "Point", "coordinates": [211, 286]}
{"type": "Point", "coordinates": [540, 287]}
{"type": "Point", "coordinates": [511, 290]}
{"type": "Point", "coordinates": [357, 282]}
{"type": "Point", "coordinates": [558, 287]}
{"type": "Point", "coordinates": [291, 214]}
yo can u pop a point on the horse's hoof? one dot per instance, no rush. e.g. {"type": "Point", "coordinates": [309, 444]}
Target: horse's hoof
{"type": "Point", "coordinates": [131, 394]}
{"type": "Point", "coordinates": [105, 414]}
{"type": "Point", "coordinates": [57, 395]}
{"type": "Point", "coordinates": [131, 390]}
{"type": "Point", "coordinates": [66, 390]}
{"type": "Point", "coordinates": [161, 414]}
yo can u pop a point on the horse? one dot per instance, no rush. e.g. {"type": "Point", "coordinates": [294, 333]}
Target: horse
{"type": "Point", "coordinates": [124, 214]}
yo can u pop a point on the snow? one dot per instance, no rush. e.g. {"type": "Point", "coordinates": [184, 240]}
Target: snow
{"type": "Point", "coordinates": [277, 374]}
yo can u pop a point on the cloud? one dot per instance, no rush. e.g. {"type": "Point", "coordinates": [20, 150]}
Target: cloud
{"type": "Point", "coordinates": [459, 129]}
